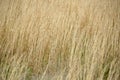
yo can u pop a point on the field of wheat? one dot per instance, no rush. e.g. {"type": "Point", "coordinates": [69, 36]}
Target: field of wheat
{"type": "Point", "coordinates": [59, 39]}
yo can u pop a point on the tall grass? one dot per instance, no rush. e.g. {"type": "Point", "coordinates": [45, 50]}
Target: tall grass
{"type": "Point", "coordinates": [59, 39]}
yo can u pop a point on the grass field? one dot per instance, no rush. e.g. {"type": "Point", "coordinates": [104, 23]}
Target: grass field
{"type": "Point", "coordinates": [59, 39]}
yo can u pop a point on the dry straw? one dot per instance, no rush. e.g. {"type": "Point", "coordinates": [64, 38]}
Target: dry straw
{"type": "Point", "coordinates": [59, 39]}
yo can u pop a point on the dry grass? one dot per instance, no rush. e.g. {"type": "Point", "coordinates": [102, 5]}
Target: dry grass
{"type": "Point", "coordinates": [59, 39]}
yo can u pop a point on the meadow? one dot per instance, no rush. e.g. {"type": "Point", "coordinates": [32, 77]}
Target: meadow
{"type": "Point", "coordinates": [59, 39]}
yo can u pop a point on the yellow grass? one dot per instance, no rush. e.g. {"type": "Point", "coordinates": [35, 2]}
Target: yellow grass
{"type": "Point", "coordinates": [59, 39]}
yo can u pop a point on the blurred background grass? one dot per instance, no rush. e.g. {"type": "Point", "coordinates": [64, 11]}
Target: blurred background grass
{"type": "Point", "coordinates": [59, 40]}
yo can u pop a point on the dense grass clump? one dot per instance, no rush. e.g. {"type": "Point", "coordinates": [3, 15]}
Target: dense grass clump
{"type": "Point", "coordinates": [59, 39]}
